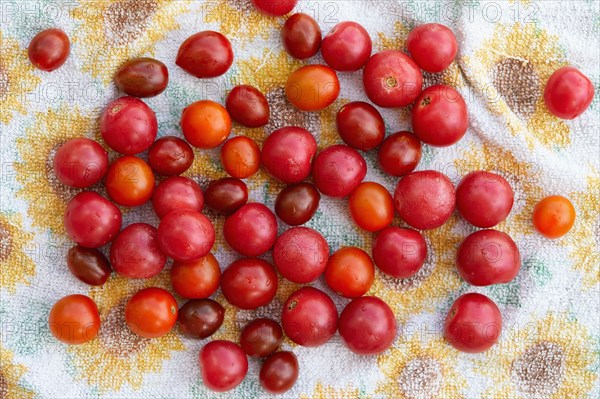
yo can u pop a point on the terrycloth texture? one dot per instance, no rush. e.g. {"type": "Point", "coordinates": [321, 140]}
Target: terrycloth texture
{"type": "Point", "coordinates": [550, 342]}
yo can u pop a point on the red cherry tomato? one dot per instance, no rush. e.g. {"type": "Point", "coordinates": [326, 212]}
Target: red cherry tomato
{"type": "Point", "coordinates": [350, 272]}
{"type": "Point", "coordinates": [252, 230]}
{"type": "Point", "coordinates": [338, 170]}
{"type": "Point", "coordinates": [196, 279]}
{"type": "Point", "coordinates": [49, 49]}
{"type": "Point", "coordinates": [399, 252]}
{"type": "Point", "coordinates": [249, 283]}
{"type": "Point", "coordinates": [80, 163]}
{"type": "Point", "coordinates": [223, 365]}
{"type": "Point", "coordinates": [432, 46]}
{"type": "Point", "coordinates": [347, 47]}
{"type": "Point", "coordinates": [275, 8]}
{"type": "Point", "coordinates": [177, 192]}
{"type": "Point", "coordinates": [205, 124]}
{"type": "Point", "coordinates": [226, 195]}
{"type": "Point", "coordinates": [553, 216]}
{"type": "Point", "coordinates": [205, 54]}
{"type": "Point", "coordinates": [261, 337]}
{"type": "Point", "coordinates": [91, 220]}
{"type": "Point", "coordinates": [301, 36]}
{"type": "Point", "coordinates": [135, 252]}
{"type": "Point", "coordinates": [248, 106]}
{"type": "Point", "coordinates": [371, 206]}
{"type": "Point", "coordinates": [142, 77]}
{"type": "Point", "coordinates": [312, 87]}
{"type": "Point", "coordinates": [129, 181]}
{"type": "Point", "coordinates": [240, 157]}
{"type": "Point", "coordinates": [300, 254]}
{"type": "Point", "coordinates": [296, 204]}
{"type": "Point", "coordinates": [484, 199]}
{"type": "Point", "coordinates": [568, 93]}
{"type": "Point", "coordinates": [151, 312]}
{"type": "Point", "coordinates": [88, 265]}
{"type": "Point", "coordinates": [74, 319]}
{"type": "Point", "coordinates": [170, 156]}
{"type": "Point", "coordinates": [279, 372]}
{"type": "Point", "coordinates": [288, 152]}
{"type": "Point", "coordinates": [399, 154]}
{"type": "Point", "coordinates": [186, 235]}
{"type": "Point", "coordinates": [360, 125]}
{"type": "Point", "coordinates": [200, 318]}
{"type": "Point", "coordinates": [473, 324]}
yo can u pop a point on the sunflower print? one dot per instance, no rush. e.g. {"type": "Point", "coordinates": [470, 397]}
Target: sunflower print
{"type": "Point", "coordinates": [10, 374]}
{"type": "Point", "coordinates": [16, 265]}
{"type": "Point", "coordinates": [322, 391]}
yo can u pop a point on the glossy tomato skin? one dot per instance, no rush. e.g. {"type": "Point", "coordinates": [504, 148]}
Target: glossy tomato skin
{"type": "Point", "coordinates": [371, 206]}
{"type": "Point", "coordinates": [251, 230]}
{"type": "Point", "coordinates": [142, 77]}
{"type": "Point", "coordinates": [206, 54]}
{"type": "Point", "coordinates": [240, 157]}
{"type": "Point", "coordinates": [301, 36]}
{"type": "Point", "coordinates": [399, 154]}
{"type": "Point", "coordinates": [399, 252]}
{"type": "Point", "coordinates": [312, 87]}
{"type": "Point", "coordinates": [80, 163]}
{"type": "Point", "coordinates": [425, 200]}
{"type": "Point", "coordinates": [200, 318]}
{"type": "Point", "coordinates": [205, 124]}
{"type": "Point", "coordinates": [484, 199]}
{"type": "Point", "coordinates": [440, 117]}
{"type": "Point", "coordinates": [279, 372]}
{"type": "Point", "coordinates": [186, 235]}
{"type": "Point", "coordinates": [296, 204]}
{"type": "Point", "coordinates": [135, 252]}
{"type": "Point", "coordinates": [88, 265]}
{"type": "Point", "coordinates": [261, 337]}
{"type": "Point", "coordinates": [360, 125]}
{"type": "Point", "coordinates": [473, 324]}
{"type": "Point", "coordinates": [129, 181]}
{"type": "Point", "coordinates": [74, 319]}
{"type": "Point", "coordinates": [300, 254]}
{"type": "Point", "coordinates": [309, 317]}
{"type": "Point", "coordinates": [128, 125]}
{"type": "Point", "coordinates": [287, 154]}
{"type": "Point", "coordinates": [223, 365]}
{"type": "Point", "coordinates": [151, 312]}
{"type": "Point", "coordinates": [177, 192]}
{"type": "Point", "coordinates": [392, 79]}
{"type": "Point", "coordinates": [554, 216]}
{"type": "Point", "coordinates": [226, 195]}
{"type": "Point", "coordinates": [568, 93]}
{"type": "Point", "coordinates": [432, 46]}
{"type": "Point", "coordinates": [91, 220]}
{"type": "Point", "coordinates": [248, 106]}
{"type": "Point", "coordinates": [249, 283]}
{"type": "Point", "coordinates": [347, 47]}
{"type": "Point", "coordinates": [367, 326]}
{"type": "Point", "coordinates": [170, 155]}
{"type": "Point", "coordinates": [275, 8]}
{"type": "Point", "coordinates": [350, 272]}
{"type": "Point", "coordinates": [49, 49]}
{"type": "Point", "coordinates": [196, 279]}
{"type": "Point", "coordinates": [338, 170]}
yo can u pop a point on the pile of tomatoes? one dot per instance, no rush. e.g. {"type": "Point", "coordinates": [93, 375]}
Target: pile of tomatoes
{"type": "Point", "coordinates": [423, 199]}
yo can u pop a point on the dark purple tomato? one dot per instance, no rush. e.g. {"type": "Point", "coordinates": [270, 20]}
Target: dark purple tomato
{"type": "Point", "coordinates": [205, 54]}
{"type": "Point", "coordinates": [301, 36]}
{"type": "Point", "coordinates": [226, 195]}
{"type": "Point", "coordinates": [296, 204]}
{"type": "Point", "coordinates": [261, 337]}
{"type": "Point", "coordinates": [432, 46]}
{"type": "Point", "coordinates": [170, 155]}
{"type": "Point", "coordinates": [186, 235]}
{"type": "Point", "coordinates": [248, 106]}
{"type": "Point", "coordinates": [135, 252]}
{"type": "Point", "coordinates": [251, 230]}
{"type": "Point", "coordinates": [399, 154]}
{"type": "Point", "coordinates": [301, 254]}
{"type": "Point", "coordinates": [142, 77]}
{"type": "Point", "coordinates": [279, 372]}
{"type": "Point", "coordinates": [347, 47]}
{"type": "Point", "coordinates": [287, 154]}
{"type": "Point", "coordinates": [200, 318]}
{"type": "Point", "coordinates": [177, 192]}
{"type": "Point", "coordinates": [249, 283]}
{"type": "Point", "coordinates": [399, 252]}
{"type": "Point", "coordinates": [338, 170]}
{"type": "Point", "coordinates": [223, 365]}
{"type": "Point", "coordinates": [91, 220]}
{"type": "Point", "coordinates": [49, 49]}
{"type": "Point", "coordinates": [484, 199]}
{"type": "Point", "coordinates": [88, 265]}
{"type": "Point", "coordinates": [80, 163]}
{"type": "Point", "coordinates": [360, 125]}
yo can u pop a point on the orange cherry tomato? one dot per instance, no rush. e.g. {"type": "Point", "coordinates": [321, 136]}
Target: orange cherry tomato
{"type": "Point", "coordinates": [371, 206]}
{"type": "Point", "coordinates": [129, 181]}
{"type": "Point", "coordinates": [195, 280]}
{"type": "Point", "coordinates": [74, 319]}
{"type": "Point", "coordinates": [350, 272]}
{"type": "Point", "coordinates": [553, 216]}
{"type": "Point", "coordinates": [151, 313]}
{"type": "Point", "coordinates": [205, 124]}
{"type": "Point", "coordinates": [240, 157]}
{"type": "Point", "coordinates": [312, 87]}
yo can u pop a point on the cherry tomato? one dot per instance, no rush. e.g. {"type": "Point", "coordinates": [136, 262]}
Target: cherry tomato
{"type": "Point", "coordinates": [142, 77]}
{"type": "Point", "coordinates": [177, 192]}
{"type": "Point", "coordinates": [439, 117]}
{"type": "Point", "coordinates": [347, 47]}
{"type": "Point", "coordinates": [205, 124]}
{"type": "Point", "coordinates": [91, 220]}
{"type": "Point", "coordinates": [484, 199]}
{"type": "Point", "coordinates": [425, 199]}
{"type": "Point", "coordinates": [170, 156]}
{"type": "Point", "coordinates": [432, 46]}
{"type": "Point", "coordinates": [392, 79]}
{"type": "Point", "coordinates": [279, 372]}
{"type": "Point", "coordinates": [367, 326]}
{"type": "Point", "coordinates": [49, 49]}
{"type": "Point", "coordinates": [350, 272]}
{"type": "Point", "coordinates": [88, 265]}
{"type": "Point", "coordinates": [371, 206]}
{"type": "Point", "coordinates": [399, 252]}
{"type": "Point", "coordinates": [261, 337]}
{"type": "Point", "coordinates": [186, 235]}
{"type": "Point", "coordinates": [553, 216]}
{"type": "Point", "coordinates": [312, 87]}
{"type": "Point", "coordinates": [200, 318]}
{"type": "Point", "coordinates": [300, 254]}
{"type": "Point", "coordinates": [288, 152]}
{"type": "Point", "coordinates": [338, 170]}
{"type": "Point", "coordinates": [128, 125]}
{"type": "Point", "coordinates": [301, 36]}
{"type": "Point", "coordinates": [296, 204]}
{"type": "Point", "coordinates": [240, 157]}
{"type": "Point", "coordinates": [151, 312]}
{"type": "Point", "coordinates": [568, 93]}
{"type": "Point", "coordinates": [251, 230]}
{"type": "Point", "coordinates": [80, 163]}
{"type": "Point", "coordinates": [223, 365]}
{"type": "Point", "coordinates": [360, 125]}
{"type": "Point", "coordinates": [196, 279]}
{"type": "Point", "coordinates": [226, 195]}
{"type": "Point", "coordinates": [249, 283]}
{"type": "Point", "coordinates": [248, 106]}
{"type": "Point", "coordinates": [205, 54]}
{"type": "Point", "coordinates": [275, 8]}
{"type": "Point", "coordinates": [400, 153]}
{"type": "Point", "coordinates": [74, 319]}
{"type": "Point", "coordinates": [309, 317]}
{"type": "Point", "coordinates": [135, 252]}
{"type": "Point", "coordinates": [473, 324]}
{"type": "Point", "coordinates": [129, 181]}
